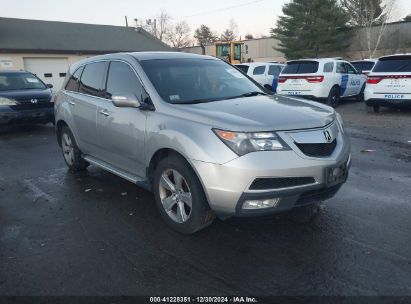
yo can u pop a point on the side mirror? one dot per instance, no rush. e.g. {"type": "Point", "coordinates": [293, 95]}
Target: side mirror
{"type": "Point", "coordinates": [126, 101]}
{"type": "Point", "coordinates": [49, 85]}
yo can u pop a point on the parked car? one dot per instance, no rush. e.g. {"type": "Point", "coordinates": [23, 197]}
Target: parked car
{"type": "Point", "coordinates": [201, 135]}
{"type": "Point", "coordinates": [264, 73]}
{"type": "Point", "coordinates": [326, 79]}
{"type": "Point", "coordinates": [24, 98]}
{"type": "Point", "coordinates": [389, 83]}
{"type": "Point", "coordinates": [364, 66]}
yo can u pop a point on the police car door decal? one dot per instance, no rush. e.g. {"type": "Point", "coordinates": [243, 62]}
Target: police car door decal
{"type": "Point", "coordinates": [343, 84]}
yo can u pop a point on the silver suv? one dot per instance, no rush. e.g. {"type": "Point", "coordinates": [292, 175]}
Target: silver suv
{"type": "Point", "coordinates": [204, 137]}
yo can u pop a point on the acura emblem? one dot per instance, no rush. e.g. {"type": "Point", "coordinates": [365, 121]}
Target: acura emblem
{"type": "Point", "coordinates": [33, 100]}
{"type": "Point", "coordinates": [327, 136]}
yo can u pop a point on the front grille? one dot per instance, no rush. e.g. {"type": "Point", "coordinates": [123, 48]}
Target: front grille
{"type": "Point", "coordinates": [280, 182]}
{"type": "Point", "coordinates": [28, 105]}
{"type": "Point", "coordinates": [318, 195]}
{"type": "Point", "coordinates": [318, 150]}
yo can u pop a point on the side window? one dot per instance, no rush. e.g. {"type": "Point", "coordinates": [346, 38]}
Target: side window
{"type": "Point", "coordinates": [274, 70]}
{"type": "Point", "coordinates": [73, 83]}
{"type": "Point", "coordinates": [329, 67]}
{"type": "Point", "coordinates": [341, 68]}
{"type": "Point", "coordinates": [350, 69]}
{"type": "Point", "coordinates": [259, 70]}
{"type": "Point", "coordinates": [122, 80]}
{"type": "Point", "coordinates": [92, 79]}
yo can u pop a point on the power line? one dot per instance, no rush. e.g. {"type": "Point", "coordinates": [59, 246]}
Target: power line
{"type": "Point", "coordinates": [221, 9]}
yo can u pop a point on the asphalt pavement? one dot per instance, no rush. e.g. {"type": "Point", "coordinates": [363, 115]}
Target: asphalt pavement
{"type": "Point", "coordinates": [93, 233]}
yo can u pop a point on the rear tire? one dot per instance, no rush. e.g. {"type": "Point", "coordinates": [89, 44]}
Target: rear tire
{"type": "Point", "coordinates": [71, 152]}
{"type": "Point", "coordinates": [373, 109]}
{"type": "Point", "coordinates": [360, 97]}
{"type": "Point", "coordinates": [334, 97]}
{"type": "Point", "coordinates": [173, 199]}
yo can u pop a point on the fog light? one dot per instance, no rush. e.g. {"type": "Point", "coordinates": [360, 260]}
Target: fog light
{"type": "Point", "coordinates": [260, 204]}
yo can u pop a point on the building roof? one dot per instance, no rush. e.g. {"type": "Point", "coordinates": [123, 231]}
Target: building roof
{"type": "Point", "coordinates": [23, 35]}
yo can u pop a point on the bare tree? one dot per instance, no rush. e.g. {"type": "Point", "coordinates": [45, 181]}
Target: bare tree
{"type": "Point", "coordinates": [157, 26]}
{"type": "Point", "coordinates": [374, 34]}
{"type": "Point", "coordinates": [179, 35]}
{"type": "Point", "coordinates": [231, 32]}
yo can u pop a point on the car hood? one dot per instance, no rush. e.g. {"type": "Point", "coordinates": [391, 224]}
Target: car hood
{"type": "Point", "coordinates": [22, 95]}
{"type": "Point", "coordinates": [261, 113]}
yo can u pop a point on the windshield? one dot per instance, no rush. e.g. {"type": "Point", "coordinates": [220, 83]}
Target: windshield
{"type": "Point", "coordinates": [197, 80]}
{"type": "Point", "coordinates": [19, 81]}
{"type": "Point", "coordinates": [393, 64]}
{"type": "Point", "coordinates": [300, 67]}
{"type": "Point", "coordinates": [361, 66]}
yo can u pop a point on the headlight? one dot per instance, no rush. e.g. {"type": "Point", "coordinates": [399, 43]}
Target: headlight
{"type": "Point", "coordinates": [7, 102]}
{"type": "Point", "coordinates": [340, 121]}
{"type": "Point", "coordinates": [243, 143]}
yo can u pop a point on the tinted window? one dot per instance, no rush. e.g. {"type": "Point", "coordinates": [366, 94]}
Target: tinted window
{"type": "Point", "coordinates": [342, 68]}
{"type": "Point", "coordinates": [301, 67]}
{"type": "Point", "coordinates": [393, 64]}
{"type": "Point", "coordinates": [243, 68]}
{"type": "Point", "coordinates": [274, 70]}
{"type": "Point", "coordinates": [363, 65]}
{"type": "Point", "coordinates": [329, 67]}
{"type": "Point", "coordinates": [196, 80]}
{"type": "Point", "coordinates": [259, 70]}
{"type": "Point", "coordinates": [20, 81]}
{"type": "Point", "coordinates": [122, 81]}
{"type": "Point", "coordinates": [92, 79]}
{"type": "Point", "coordinates": [350, 69]}
{"type": "Point", "coordinates": [73, 83]}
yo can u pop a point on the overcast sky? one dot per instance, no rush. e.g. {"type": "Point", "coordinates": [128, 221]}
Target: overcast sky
{"type": "Point", "coordinates": [255, 17]}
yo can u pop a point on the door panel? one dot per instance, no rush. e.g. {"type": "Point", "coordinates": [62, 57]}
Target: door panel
{"type": "Point", "coordinates": [121, 131]}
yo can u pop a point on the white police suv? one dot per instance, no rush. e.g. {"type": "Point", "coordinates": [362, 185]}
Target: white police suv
{"type": "Point", "coordinates": [326, 79]}
{"type": "Point", "coordinates": [389, 83]}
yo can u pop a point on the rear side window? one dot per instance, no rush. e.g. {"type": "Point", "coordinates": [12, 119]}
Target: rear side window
{"type": "Point", "coordinates": [342, 68]}
{"type": "Point", "coordinates": [122, 81]}
{"type": "Point", "coordinates": [363, 66]}
{"type": "Point", "coordinates": [243, 68]}
{"type": "Point", "coordinates": [350, 69]}
{"type": "Point", "coordinates": [393, 64]}
{"type": "Point", "coordinates": [329, 67]}
{"type": "Point", "coordinates": [301, 67]}
{"type": "Point", "coordinates": [92, 79]}
{"type": "Point", "coordinates": [274, 70]}
{"type": "Point", "coordinates": [259, 70]}
{"type": "Point", "coordinates": [73, 83]}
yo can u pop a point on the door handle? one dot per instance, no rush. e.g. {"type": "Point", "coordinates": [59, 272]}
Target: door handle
{"type": "Point", "coordinates": [104, 112]}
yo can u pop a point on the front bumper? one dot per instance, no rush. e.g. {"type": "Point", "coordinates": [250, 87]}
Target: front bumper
{"type": "Point", "coordinates": [8, 116]}
{"type": "Point", "coordinates": [227, 186]}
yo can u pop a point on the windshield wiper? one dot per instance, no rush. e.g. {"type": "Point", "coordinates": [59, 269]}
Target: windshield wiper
{"type": "Point", "coordinates": [195, 101]}
{"type": "Point", "coordinates": [252, 94]}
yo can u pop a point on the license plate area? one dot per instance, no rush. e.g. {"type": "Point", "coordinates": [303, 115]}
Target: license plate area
{"type": "Point", "coordinates": [336, 175]}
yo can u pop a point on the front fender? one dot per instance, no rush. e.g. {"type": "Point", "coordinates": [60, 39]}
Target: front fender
{"type": "Point", "coordinates": [195, 141]}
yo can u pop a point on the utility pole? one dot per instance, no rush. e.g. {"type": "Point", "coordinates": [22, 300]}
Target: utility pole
{"type": "Point", "coordinates": [155, 28]}
{"type": "Point", "coordinates": [125, 17]}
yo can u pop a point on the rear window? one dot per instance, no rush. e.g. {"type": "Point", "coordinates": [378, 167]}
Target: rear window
{"type": "Point", "coordinates": [243, 68]}
{"type": "Point", "coordinates": [301, 67]}
{"type": "Point", "coordinates": [19, 81]}
{"type": "Point", "coordinates": [393, 64]}
{"type": "Point", "coordinates": [363, 66]}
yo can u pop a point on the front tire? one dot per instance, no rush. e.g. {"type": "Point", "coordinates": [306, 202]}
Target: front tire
{"type": "Point", "coordinates": [334, 97]}
{"type": "Point", "coordinates": [71, 152]}
{"type": "Point", "coordinates": [180, 197]}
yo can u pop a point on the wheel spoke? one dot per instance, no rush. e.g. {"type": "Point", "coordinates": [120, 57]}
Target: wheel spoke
{"type": "Point", "coordinates": [181, 213]}
{"type": "Point", "coordinates": [178, 180]}
{"type": "Point", "coordinates": [186, 198]}
{"type": "Point", "coordinates": [168, 203]}
{"type": "Point", "coordinates": [166, 183]}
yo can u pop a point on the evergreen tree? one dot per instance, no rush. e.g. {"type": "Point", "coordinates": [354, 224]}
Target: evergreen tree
{"type": "Point", "coordinates": [310, 27]}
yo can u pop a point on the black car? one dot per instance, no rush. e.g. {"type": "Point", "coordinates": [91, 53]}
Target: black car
{"type": "Point", "coordinates": [24, 98]}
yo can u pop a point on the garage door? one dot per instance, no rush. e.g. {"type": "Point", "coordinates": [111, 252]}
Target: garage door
{"type": "Point", "coordinates": [50, 70]}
